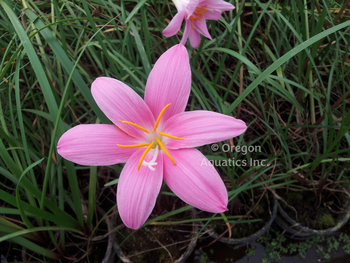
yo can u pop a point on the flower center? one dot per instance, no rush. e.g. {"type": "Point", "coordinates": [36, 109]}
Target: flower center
{"type": "Point", "coordinates": [198, 14]}
{"type": "Point", "coordinates": [153, 144]}
{"type": "Point", "coordinates": [153, 161]}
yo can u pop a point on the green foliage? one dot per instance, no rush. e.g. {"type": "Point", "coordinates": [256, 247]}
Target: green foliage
{"type": "Point", "coordinates": [251, 252]}
{"type": "Point", "coordinates": [282, 68]}
{"type": "Point", "coordinates": [204, 257]}
{"type": "Point", "coordinates": [346, 240]}
{"type": "Point", "coordinates": [292, 197]}
{"type": "Point", "coordinates": [324, 221]}
{"type": "Point", "coordinates": [278, 246]}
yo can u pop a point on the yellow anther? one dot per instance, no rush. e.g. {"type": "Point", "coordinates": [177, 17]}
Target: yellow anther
{"type": "Point", "coordinates": [170, 136]}
{"type": "Point", "coordinates": [160, 116]}
{"type": "Point", "coordinates": [134, 146]}
{"type": "Point", "coordinates": [144, 154]}
{"type": "Point", "coordinates": [166, 152]}
{"type": "Point", "coordinates": [134, 124]}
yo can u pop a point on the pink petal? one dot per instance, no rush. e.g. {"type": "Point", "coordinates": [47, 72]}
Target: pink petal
{"type": "Point", "coordinates": [201, 27]}
{"type": "Point", "coordinates": [195, 38]}
{"type": "Point", "coordinates": [212, 14]}
{"type": "Point", "coordinates": [200, 128]}
{"type": "Point", "coordinates": [95, 144]}
{"type": "Point", "coordinates": [195, 181]}
{"type": "Point", "coordinates": [138, 190]}
{"type": "Point", "coordinates": [181, 4]}
{"type": "Point", "coordinates": [191, 7]}
{"type": "Point", "coordinates": [188, 28]}
{"type": "Point", "coordinates": [119, 102]}
{"type": "Point", "coordinates": [217, 4]}
{"type": "Point", "coordinates": [174, 25]}
{"type": "Point", "coordinates": [169, 82]}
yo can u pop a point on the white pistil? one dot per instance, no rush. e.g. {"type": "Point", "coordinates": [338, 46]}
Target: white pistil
{"type": "Point", "coordinates": [153, 161]}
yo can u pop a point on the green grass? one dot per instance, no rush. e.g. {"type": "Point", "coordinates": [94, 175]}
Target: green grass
{"type": "Point", "coordinates": [282, 67]}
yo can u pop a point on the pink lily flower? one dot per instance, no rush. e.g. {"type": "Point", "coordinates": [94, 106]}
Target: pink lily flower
{"type": "Point", "coordinates": [156, 139]}
{"type": "Point", "coordinates": [195, 12]}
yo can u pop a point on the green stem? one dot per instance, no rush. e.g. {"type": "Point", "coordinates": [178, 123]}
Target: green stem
{"type": "Point", "coordinates": [312, 100]}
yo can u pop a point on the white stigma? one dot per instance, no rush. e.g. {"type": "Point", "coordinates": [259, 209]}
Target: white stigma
{"type": "Point", "coordinates": [153, 161]}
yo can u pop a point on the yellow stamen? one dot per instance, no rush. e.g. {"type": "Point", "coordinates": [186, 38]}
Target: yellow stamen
{"type": "Point", "coordinates": [200, 9]}
{"type": "Point", "coordinates": [144, 154]}
{"type": "Point", "coordinates": [170, 136]}
{"type": "Point", "coordinates": [166, 152]}
{"type": "Point", "coordinates": [160, 116]}
{"type": "Point", "coordinates": [134, 124]}
{"type": "Point", "coordinates": [133, 146]}
{"type": "Point", "coordinates": [198, 14]}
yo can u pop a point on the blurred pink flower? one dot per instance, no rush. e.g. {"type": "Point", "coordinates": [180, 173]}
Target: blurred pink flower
{"type": "Point", "coordinates": [195, 12]}
{"type": "Point", "coordinates": [156, 139]}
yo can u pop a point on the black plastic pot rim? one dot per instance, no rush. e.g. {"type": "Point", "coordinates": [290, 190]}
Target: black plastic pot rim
{"type": "Point", "coordinates": [232, 241]}
{"type": "Point", "coordinates": [307, 230]}
{"type": "Point", "coordinates": [183, 257]}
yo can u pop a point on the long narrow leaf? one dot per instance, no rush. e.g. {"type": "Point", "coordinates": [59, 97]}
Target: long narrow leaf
{"type": "Point", "coordinates": [282, 60]}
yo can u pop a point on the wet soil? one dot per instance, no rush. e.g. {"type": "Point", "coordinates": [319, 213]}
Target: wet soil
{"type": "Point", "coordinates": [158, 243]}
{"type": "Point", "coordinates": [10, 252]}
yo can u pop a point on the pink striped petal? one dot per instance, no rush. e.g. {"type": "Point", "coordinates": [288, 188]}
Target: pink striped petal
{"type": "Point", "coordinates": [181, 4]}
{"type": "Point", "coordinates": [119, 102]}
{"type": "Point", "coordinates": [212, 14]}
{"type": "Point", "coordinates": [191, 7]}
{"type": "Point", "coordinates": [195, 38]}
{"type": "Point", "coordinates": [200, 128]}
{"type": "Point", "coordinates": [217, 4]}
{"type": "Point", "coordinates": [174, 25]}
{"type": "Point", "coordinates": [195, 181]}
{"type": "Point", "coordinates": [95, 144]}
{"type": "Point", "coordinates": [201, 27]}
{"type": "Point", "coordinates": [169, 82]}
{"type": "Point", "coordinates": [138, 190]}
